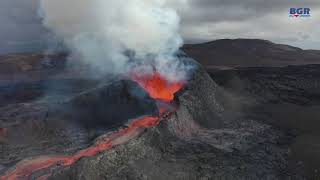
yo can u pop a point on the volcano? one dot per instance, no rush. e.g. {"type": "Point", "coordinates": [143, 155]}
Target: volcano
{"type": "Point", "coordinates": [173, 130]}
{"type": "Point", "coordinates": [145, 100]}
{"type": "Point", "coordinates": [198, 140]}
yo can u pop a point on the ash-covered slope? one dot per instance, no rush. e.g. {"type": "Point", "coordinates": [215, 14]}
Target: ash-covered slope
{"type": "Point", "coordinates": [288, 97]}
{"type": "Point", "coordinates": [198, 141]}
{"type": "Point", "coordinates": [111, 104]}
{"type": "Point", "coordinates": [226, 53]}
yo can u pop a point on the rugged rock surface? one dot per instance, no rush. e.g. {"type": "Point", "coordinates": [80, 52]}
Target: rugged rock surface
{"type": "Point", "coordinates": [291, 84]}
{"type": "Point", "coordinates": [286, 97]}
{"type": "Point", "coordinates": [199, 141]}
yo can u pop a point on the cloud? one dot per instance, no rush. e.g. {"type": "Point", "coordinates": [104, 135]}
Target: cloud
{"type": "Point", "coordinates": [202, 20]}
{"type": "Point", "coordinates": [116, 36]}
{"type": "Point", "coordinates": [214, 19]}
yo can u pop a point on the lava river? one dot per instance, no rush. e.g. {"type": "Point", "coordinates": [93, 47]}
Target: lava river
{"type": "Point", "coordinates": [158, 88]}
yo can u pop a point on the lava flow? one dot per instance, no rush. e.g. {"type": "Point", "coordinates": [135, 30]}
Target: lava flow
{"type": "Point", "coordinates": [156, 86]}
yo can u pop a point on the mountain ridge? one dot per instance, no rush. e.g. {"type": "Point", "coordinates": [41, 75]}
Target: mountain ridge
{"type": "Point", "coordinates": [249, 53]}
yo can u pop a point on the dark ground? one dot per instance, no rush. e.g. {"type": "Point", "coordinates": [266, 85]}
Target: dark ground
{"type": "Point", "coordinates": [244, 123]}
{"type": "Point", "coordinates": [287, 97]}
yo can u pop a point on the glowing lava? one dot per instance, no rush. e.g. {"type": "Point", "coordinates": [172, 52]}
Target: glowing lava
{"type": "Point", "coordinates": [158, 87]}
{"type": "Point", "coordinates": [155, 85]}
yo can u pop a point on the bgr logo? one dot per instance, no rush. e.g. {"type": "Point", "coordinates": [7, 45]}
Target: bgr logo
{"type": "Point", "coordinates": [299, 12]}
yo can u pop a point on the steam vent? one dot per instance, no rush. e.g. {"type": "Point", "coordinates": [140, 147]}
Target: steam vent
{"type": "Point", "coordinates": [193, 135]}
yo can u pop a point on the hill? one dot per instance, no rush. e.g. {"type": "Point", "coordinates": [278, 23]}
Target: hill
{"type": "Point", "coordinates": [226, 53]}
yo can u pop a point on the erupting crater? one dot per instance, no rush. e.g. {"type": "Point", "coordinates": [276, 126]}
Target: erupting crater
{"type": "Point", "coordinates": [157, 87]}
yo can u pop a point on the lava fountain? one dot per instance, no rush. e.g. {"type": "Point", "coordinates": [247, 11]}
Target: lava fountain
{"type": "Point", "coordinates": [158, 88]}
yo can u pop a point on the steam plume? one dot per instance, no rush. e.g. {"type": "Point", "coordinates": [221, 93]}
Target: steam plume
{"type": "Point", "coordinates": [110, 34]}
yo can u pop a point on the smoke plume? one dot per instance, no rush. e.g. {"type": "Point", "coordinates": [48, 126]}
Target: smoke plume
{"type": "Point", "coordinates": [115, 35]}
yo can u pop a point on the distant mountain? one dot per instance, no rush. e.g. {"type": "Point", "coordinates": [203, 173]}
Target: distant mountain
{"type": "Point", "coordinates": [226, 53]}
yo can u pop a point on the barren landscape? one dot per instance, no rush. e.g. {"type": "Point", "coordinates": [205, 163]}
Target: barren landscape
{"type": "Point", "coordinates": [250, 114]}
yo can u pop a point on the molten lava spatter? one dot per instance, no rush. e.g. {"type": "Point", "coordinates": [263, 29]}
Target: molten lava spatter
{"type": "Point", "coordinates": [156, 86]}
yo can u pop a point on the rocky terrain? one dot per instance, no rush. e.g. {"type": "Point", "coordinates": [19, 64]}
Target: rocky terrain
{"type": "Point", "coordinates": [287, 98]}
{"type": "Point", "coordinates": [234, 123]}
{"type": "Point", "coordinates": [199, 141]}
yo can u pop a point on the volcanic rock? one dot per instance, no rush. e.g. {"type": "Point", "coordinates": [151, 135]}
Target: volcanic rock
{"type": "Point", "coordinates": [286, 97]}
{"type": "Point", "coordinates": [198, 141]}
{"type": "Point", "coordinates": [111, 104]}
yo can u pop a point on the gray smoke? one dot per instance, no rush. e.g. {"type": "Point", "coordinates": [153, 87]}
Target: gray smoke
{"type": "Point", "coordinates": [110, 34]}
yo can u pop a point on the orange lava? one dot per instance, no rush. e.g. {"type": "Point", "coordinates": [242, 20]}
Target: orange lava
{"type": "Point", "coordinates": [158, 87]}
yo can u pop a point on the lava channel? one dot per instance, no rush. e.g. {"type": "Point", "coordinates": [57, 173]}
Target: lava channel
{"type": "Point", "coordinates": [155, 85]}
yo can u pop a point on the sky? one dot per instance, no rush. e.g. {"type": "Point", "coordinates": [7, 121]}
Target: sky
{"type": "Point", "coordinates": [201, 21]}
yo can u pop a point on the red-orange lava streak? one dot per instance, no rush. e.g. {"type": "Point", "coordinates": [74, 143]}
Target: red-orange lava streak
{"type": "Point", "coordinates": [26, 168]}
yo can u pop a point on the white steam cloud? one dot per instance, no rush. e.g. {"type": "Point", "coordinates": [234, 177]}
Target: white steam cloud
{"type": "Point", "coordinates": [109, 34]}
